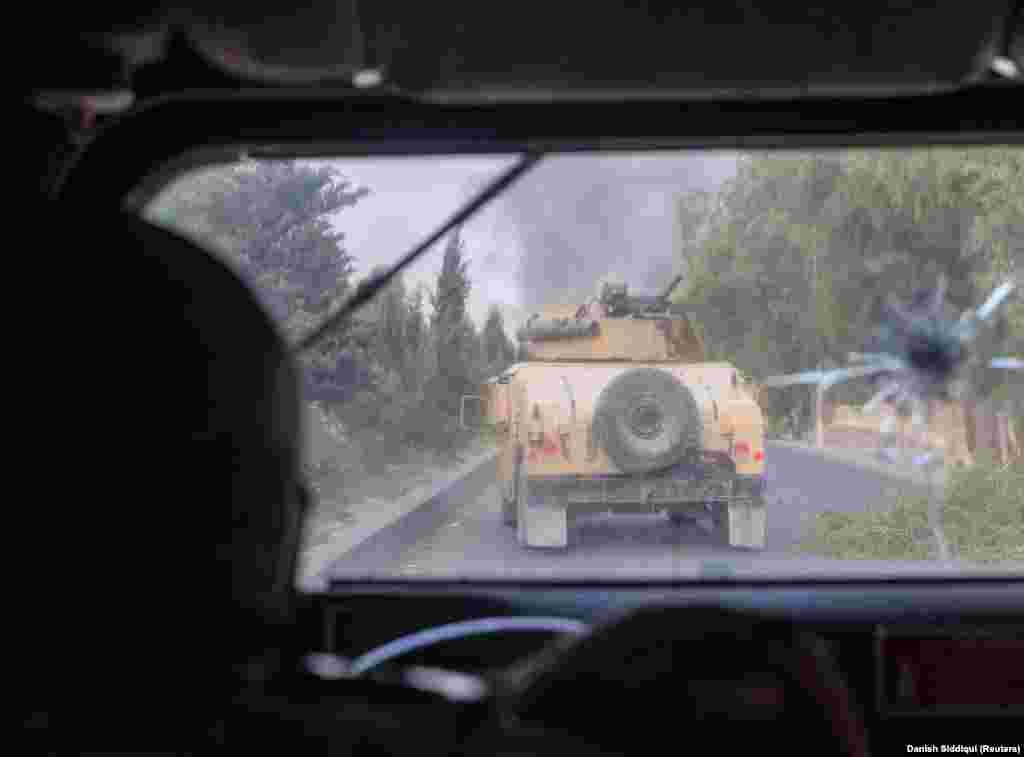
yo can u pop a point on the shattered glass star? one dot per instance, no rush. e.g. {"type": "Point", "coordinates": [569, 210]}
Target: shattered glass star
{"type": "Point", "coordinates": [920, 354]}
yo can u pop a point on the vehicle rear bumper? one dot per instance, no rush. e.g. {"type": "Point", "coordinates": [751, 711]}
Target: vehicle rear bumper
{"type": "Point", "coordinates": [678, 491]}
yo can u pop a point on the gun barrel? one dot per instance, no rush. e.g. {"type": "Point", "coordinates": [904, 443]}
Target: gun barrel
{"type": "Point", "coordinates": [668, 290]}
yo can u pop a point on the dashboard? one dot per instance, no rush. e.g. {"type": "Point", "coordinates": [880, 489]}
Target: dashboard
{"type": "Point", "coordinates": [949, 671]}
{"type": "Point", "coordinates": [929, 664]}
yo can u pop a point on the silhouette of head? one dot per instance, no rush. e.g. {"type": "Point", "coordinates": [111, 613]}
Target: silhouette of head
{"type": "Point", "coordinates": [180, 487]}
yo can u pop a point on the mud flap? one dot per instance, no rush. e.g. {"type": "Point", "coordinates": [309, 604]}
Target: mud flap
{"type": "Point", "coordinates": [507, 496]}
{"type": "Point", "coordinates": [746, 523]}
{"type": "Point", "coordinates": [541, 521]}
{"type": "Point", "coordinates": [543, 525]}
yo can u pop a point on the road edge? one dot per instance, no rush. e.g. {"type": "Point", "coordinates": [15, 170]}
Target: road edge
{"type": "Point", "coordinates": [859, 460]}
{"type": "Point", "coordinates": [316, 560]}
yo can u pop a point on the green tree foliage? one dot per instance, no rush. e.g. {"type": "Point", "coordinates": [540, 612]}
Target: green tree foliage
{"type": "Point", "coordinates": [395, 379]}
{"type": "Point", "coordinates": [798, 251]}
{"type": "Point", "coordinates": [498, 350]}
{"type": "Point", "coordinates": [272, 220]}
{"type": "Point", "coordinates": [378, 406]}
{"type": "Point", "coordinates": [453, 337]}
{"type": "Point", "coordinates": [394, 310]}
{"type": "Point", "coordinates": [416, 339]}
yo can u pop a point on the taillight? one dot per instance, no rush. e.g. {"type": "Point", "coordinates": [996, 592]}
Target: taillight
{"type": "Point", "coordinates": [741, 449]}
{"type": "Point", "coordinates": [759, 455]}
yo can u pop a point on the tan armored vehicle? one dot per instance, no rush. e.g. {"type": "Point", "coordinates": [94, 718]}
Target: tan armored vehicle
{"type": "Point", "coordinates": [616, 410]}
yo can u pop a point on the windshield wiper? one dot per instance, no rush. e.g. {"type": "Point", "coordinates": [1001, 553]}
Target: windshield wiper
{"type": "Point", "coordinates": [368, 288]}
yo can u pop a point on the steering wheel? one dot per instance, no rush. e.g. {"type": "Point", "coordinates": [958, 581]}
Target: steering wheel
{"type": "Point", "coordinates": [453, 631]}
{"type": "Point", "coordinates": [682, 671]}
{"type": "Point", "coordinates": [597, 690]}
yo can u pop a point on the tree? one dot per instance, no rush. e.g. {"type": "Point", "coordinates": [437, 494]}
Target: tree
{"type": "Point", "coordinates": [272, 222]}
{"type": "Point", "coordinates": [415, 339]}
{"type": "Point", "coordinates": [498, 349]}
{"type": "Point", "coordinates": [279, 214]}
{"type": "Point", "coordinates": [453, 341]}
{"type": "Point", "coordinates": [798, 251]}
{"type": "Point", "coordinates": [474, 354]}
{"type": "Point", "coordinates": [392, 346]}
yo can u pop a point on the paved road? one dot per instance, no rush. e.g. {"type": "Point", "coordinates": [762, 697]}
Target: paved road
{"type": "Point", "coordinates": [461, 535]}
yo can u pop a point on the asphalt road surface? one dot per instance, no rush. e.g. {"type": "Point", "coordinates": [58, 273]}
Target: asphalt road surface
{"type": "Point", "coordinates": [460, 533]}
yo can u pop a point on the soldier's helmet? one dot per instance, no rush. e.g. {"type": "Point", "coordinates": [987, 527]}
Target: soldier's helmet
{"type": "Point", "coordinates": [611, 288]}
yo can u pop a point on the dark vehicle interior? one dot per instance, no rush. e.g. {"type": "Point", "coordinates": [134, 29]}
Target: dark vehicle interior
{"type": "Point", "coordinates": [136, 636]}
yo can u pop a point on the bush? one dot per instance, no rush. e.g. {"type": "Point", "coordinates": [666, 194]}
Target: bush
{"type": "Point", "coordinates": [984, 512]}
{"type": "Point", "coordinates": [982, 516]}
{"type": "Point", "coordinates": [900, 533]}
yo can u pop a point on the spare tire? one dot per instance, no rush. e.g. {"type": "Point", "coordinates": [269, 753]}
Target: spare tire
{"type": "Point", "coordinates": [646, 419]}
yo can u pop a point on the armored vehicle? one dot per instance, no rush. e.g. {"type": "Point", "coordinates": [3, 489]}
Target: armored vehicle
{"type": "Point", "coordinates": [615, 409]}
